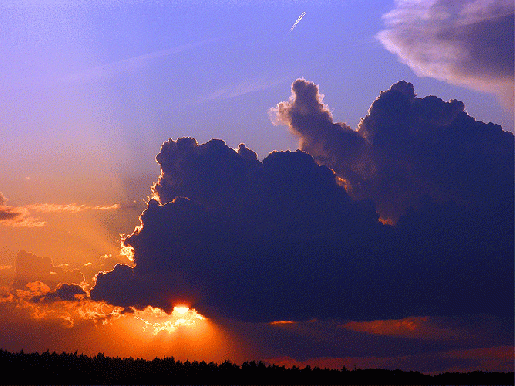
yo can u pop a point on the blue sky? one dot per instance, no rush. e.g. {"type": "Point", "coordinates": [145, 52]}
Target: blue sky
{"type": "Point", "coordinates": [98, 86]}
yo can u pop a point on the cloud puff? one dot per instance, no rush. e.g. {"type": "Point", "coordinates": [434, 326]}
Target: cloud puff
{"type": "Point", "coordinates": [282, 240]}
{"type": "Point", "coordinates": [30, 268]}
{"type": "Point", "coordinates": [406, 149]}
{"type": "Point", "coordinates": [468, 43]}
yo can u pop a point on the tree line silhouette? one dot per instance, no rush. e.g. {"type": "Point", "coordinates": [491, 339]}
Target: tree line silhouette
{"type": "Point", "coordinates": [66, 368]}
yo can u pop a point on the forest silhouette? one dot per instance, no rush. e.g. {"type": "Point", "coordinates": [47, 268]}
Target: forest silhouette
{"type": "Point", "coordinates": [67, 368]}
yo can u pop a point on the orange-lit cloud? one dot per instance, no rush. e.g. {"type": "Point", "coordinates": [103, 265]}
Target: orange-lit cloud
{"type": "Point", "coordinates": [20, 216]}
{"type": "Point", "coordinates": [90, 327]}
{"type": "Point", "coordinates": [487, 359]}
{"type": "Point", "coordinates": [72, 208]}
{"type": "Point", "coordinates": [412, 327]}
{"type": "Point", "coordinates": [281, 322]}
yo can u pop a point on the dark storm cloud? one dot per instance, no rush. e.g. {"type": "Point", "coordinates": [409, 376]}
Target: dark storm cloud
{"type": "Point", "coordinates": [245, 227]}
{"type": "Point", "coordinates": [406, 149]}
{"type": "Point", "coordinates": [282, 240]}
{"type": "Point", "coordinates": [463, 42]}
{"type": "Point", "coordinates": [31, 268]}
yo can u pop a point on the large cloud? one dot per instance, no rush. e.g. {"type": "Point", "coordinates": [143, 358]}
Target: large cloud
{"type": "Point", "coordinates": [407, 149]}
{"type": "Point", "coordinates": [281, 239]}
{"type": "Point", "coordinates": [463, 42]}
{"type": "Point", "coordinates": [248, 232]}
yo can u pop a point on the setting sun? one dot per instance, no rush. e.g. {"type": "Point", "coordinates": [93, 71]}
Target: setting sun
{"type": "Point", "coordinates": [156, 320]}
{"type": "Point", "coordinates": [181, 310]}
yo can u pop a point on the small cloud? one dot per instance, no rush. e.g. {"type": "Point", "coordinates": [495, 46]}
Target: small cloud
{"type": "Point", "coordinates": [18, 217]}
{"type": "Point", "coordinates": [412, 327]}
{"type": "Point", "coordinates": [63, 292]}
{"type": "Point", "coordinates": [70, 208]}
{"type": "Point", "coordinates": [281, 322]}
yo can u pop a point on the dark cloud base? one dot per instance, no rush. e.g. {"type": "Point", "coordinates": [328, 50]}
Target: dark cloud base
{"type": "Point", "coordinates": [282, 238]}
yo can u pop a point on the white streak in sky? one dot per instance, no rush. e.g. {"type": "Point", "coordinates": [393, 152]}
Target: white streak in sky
{"type": "Point", "coordinates": [245, 87]}
{"type": "Point", "coordinates": [297, 21]}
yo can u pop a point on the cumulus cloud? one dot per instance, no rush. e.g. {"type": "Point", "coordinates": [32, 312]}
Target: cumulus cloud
{"type": "Point", "coordinates": [467, 43]}
{"type": "Point", "coordinates": [281, 239]}
{"type": "Point", "coordinates": [241, 219]}
{"type": "Point", "coordinates": [30, 268]}
{"type": "Point", "coordinates": [406, 149]}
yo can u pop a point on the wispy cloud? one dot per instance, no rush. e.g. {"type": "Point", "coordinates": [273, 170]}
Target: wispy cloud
{"type": "Point", "coordinates": [245, 87]}
{"type": "Point", "coordinates": [17, 216]}
{"type": "Point", "coordinates": [71, 208]}
{"type": "Point", "coordinates": [21, 216]}
{"type": "Point", "coordinates": [131, 64]}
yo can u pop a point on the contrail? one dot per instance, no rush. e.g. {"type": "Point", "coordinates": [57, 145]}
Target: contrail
{"type": "Point", "coordinates": [297, 21]}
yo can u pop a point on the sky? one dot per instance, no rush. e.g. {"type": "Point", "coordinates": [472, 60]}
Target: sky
{"type": "Point", "coordinates": [382, 244]}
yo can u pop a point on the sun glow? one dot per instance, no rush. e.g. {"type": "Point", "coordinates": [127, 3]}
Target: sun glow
{"type": "Point", "coordinates": [181, 310]}
{"type": "Point", "coordinates": [156, 320]}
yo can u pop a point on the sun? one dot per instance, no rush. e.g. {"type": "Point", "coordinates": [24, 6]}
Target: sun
{"type": "Point", "coordinates": [156, 320]}
{"type": "Point", "coordinates": [181, 309]}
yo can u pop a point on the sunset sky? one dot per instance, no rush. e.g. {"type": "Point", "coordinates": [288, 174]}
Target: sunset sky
{"type": "Point", "coordinates": [389, 244]}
